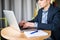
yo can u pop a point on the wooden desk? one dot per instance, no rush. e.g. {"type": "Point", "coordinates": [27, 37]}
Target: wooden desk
{"type": "Point", "coordinates": [12, 34]}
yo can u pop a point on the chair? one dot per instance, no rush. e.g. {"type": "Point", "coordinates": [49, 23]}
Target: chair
{"type": "Point", "coordinates": [5, 22]}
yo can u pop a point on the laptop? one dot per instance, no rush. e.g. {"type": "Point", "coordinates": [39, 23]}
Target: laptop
{"type": "Point", "coordinates": [11, 19]}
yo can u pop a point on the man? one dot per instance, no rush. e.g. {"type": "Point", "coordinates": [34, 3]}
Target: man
{"type": "Point", "coordinates": [48, 18]}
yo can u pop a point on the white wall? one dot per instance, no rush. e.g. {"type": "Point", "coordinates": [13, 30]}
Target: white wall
{"type": "Point", "coordinates": [18, 9]}
{"type": "Point", "coordinates": [27, 10]}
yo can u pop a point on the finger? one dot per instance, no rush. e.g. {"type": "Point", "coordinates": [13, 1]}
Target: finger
{"type": "Point", "coordinates": [24, 26]}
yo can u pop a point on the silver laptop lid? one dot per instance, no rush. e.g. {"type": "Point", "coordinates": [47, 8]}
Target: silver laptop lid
{"type": "Point", "coordinates": [11, 19]}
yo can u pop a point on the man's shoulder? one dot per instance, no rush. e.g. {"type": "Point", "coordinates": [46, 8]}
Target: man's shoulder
{"type": "Point", "coordinates": [56, 8]}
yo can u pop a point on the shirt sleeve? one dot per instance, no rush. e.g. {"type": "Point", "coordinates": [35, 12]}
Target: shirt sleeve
{"type": "Point", "coordinates": [35, 24]}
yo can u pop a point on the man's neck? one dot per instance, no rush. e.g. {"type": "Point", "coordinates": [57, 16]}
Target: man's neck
{"type": "Point", "coordinates": [46, 8]}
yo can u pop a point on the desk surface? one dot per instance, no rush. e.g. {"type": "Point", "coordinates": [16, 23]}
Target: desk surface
{"type": "Point", "coordinates": [12, 34]}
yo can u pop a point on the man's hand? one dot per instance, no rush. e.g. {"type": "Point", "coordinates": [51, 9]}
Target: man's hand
{"type": "Point", "coordinates": [22, 23]}
{"type": "Point", "coordinates": [28, 24]}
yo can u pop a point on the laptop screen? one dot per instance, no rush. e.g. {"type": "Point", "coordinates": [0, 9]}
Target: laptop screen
{"type": "Point", "coordinates": [11, 19]}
